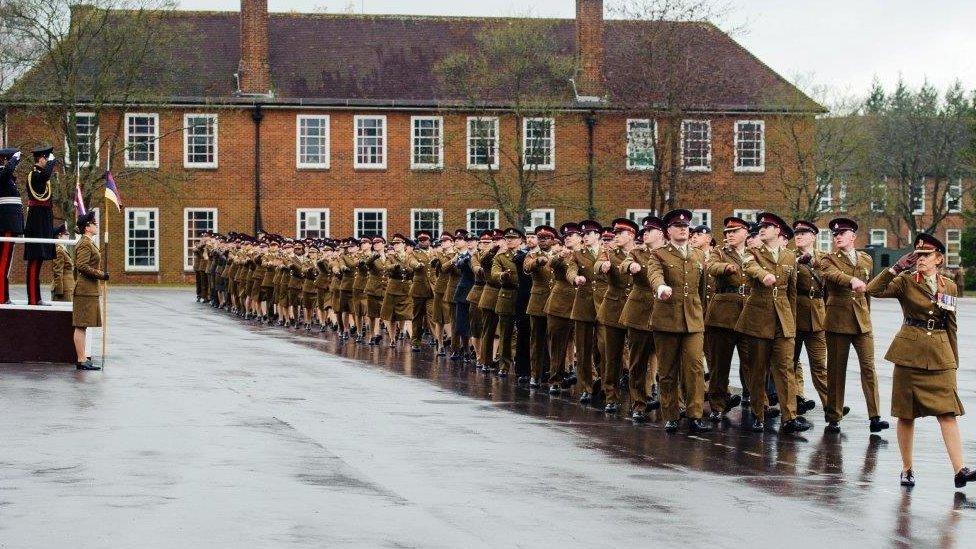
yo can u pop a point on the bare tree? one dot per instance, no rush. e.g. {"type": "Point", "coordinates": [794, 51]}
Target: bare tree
{"type": "Point", "coordinates": [89, 58]}
{"type": "Point", "coordinates": [515, 74]}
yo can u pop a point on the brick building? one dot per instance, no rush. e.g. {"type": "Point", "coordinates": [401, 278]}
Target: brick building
{"type": "Point", "coordinates": [334, 125]}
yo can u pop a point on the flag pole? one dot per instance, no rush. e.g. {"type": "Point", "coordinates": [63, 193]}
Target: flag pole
{"type": "Point", "coordinates": [104, 250]}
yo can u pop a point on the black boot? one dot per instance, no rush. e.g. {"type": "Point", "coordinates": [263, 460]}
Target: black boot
{"type": "Point", "coordinates": [877, 425]}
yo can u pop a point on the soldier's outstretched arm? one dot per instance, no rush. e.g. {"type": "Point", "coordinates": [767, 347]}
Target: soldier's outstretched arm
{"type": "Point", "coordinates": [655, 272]}
{"type": "Point", "coordinates": [886, 284]}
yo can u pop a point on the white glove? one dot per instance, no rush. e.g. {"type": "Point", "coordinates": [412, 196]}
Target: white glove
{"type": "Point", "coordinates": [16, 155]}
{"type": "Point", "coordinates": [50, 157]}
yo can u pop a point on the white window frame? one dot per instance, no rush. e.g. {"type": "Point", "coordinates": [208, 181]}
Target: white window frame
{"type": "Point", "coordinates": [705, 216]}
{"type": "Point", "coordinates": [630, 144]}
{"type": "Point", "coordinates": [142, 268]}
{"type": "Point", "coordinates": [327, 137]}
{"type": "Point", "coordinates": [355, 219]}
{"type": "Point", "coordinates": [950, 241]}
{"type": "Point", "coordinates": [95, 147]}
{"type": "Point", "coordinates": [883, 200]}
{"type": "Point", "coordinates": [636, 214]}
{"type": "Point", "coordinates": [186, 141]}
{"type": "Point", "coordinates": [762, 147]}
{"type": "Point", "coordinates": [413, 143]}
{"type": "Point", "coordinates": [948, 196]}
{"type": "Point", "coordinates": [921, 210]}
{"type": "Point", "coordinates": [708, 157]}
{"type": "Point", "coordinates": [746, 214]}
{"type": "Point", "coordinates": [467, 217]}
{"type": "Point", "coordinates": [187, 259]}
{"type": "Point", "coordinates": [355, 142]}
{"type": "Point", "coordinates": [842, 196]}
{"type": "Point", "coordinates": [435, 233]}
{"type": "Point", "coordinates": [468, 146]}
{"type": "Point", "coordinates": [825, 202]}
{"type": "Point", "coordinates": [884, 237]}
{"type": "Point", "coordinates": [542, 212]}
{"type": "Point", "coordinates": [825, 241]}
{"type": "Point", "coordinates": [548, 166]}
{"type": "Point", "coordinates": [298, 221]}
{"type": "Point", "coordinates": [153, 141]}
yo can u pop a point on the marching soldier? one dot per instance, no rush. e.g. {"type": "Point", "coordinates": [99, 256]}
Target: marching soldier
{"type": "Point", "coordinates": [418, 263]}
{"type": "Point", "coordinates": [11, 216]}
{"type": "Point", "coordinates": [925, 351]}
{"type": "Point", "coordinates": [810, 315]}
{"type": "Point", "coordinates": [612, 333]}
{"type": "Point", "coordinates": [360, 274]}
{"type": "Point", "coordinates": [677, 273]}
{"type": "Point", "coordinates": [40, 220]}
{"type": "Point", "coordinates": [376, 289]}
{"type": "Point", "coordinates": [581, 272]}
{"type": "Point", "coordinates": [559, 307]}
{"type": "Point", "coordinates": [465, 244]}
{"type": "Point", "coordinates": [487, 302]}
{"type": "Point", "coordinates": [439, 262]}
{"type": "Point", "coordinates": [537, 266]}
{"type": "Point", "coordinates": [396, 302]}
{"type": "Point", "coordinates": [768, 318]}
{"type": "Point", "coordinates": [475, 317]}
{"type": "Point", "coordinates": [63, 283]}
{"type": "Point", "coordinates": [504, 273]}
{"type": "Point", "coordinates": [848, 323]}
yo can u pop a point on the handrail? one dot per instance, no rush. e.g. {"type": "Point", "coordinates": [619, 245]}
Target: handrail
{"type": "Point", "coordinates": [25, 240]}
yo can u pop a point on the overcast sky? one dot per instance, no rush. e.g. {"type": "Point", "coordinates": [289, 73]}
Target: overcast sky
{"type": "Point", "coordinates": [840, 43]}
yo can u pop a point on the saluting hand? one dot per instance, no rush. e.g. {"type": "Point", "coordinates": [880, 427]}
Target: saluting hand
{"type": "Point", "coordinates": [907, 261]}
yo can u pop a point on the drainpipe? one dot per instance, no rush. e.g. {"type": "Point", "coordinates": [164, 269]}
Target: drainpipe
{"type": "Point", "coordinates": [590, 187]}
{"type": "Point", "coordinates": [257, 115]}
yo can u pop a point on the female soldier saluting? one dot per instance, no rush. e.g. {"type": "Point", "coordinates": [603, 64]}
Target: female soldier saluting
{"type": "Point", "coordinates": [924, 351]}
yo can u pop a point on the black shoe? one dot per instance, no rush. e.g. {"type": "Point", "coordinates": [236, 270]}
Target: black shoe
{"type": "Point", "coordinates": [585, 398]}
{"type": "Point", "coordinates": [441, 352]}
{"type": "Point", "coordinates": [877, 425]}
{"type": "Point", "coordinates": [652, 404]}
{"type": "Point", "coordinates": [804, 406]}
{"type": "Point", "coordinates": [758, 426]}
{"type": "Point", "coordinates": [522, 380]}
{"type": "Point", "coordinates": [502, 373]}
{"type": "Point", "coordinates": [908, 478]}
{"type": "Point", "coordinates": [570, 380]}
{"type": "Point", "coordinates": [732, 402]}
{"type": "Point", "coordinates": [611, 408]}
{"type": "Point", "coordinates": [670, 426]}
{"type": "Point", "coordinates": [745, 402]}
{"type": "Point", "coordinates": [716, 416]}
{"type": "Point", "coordinates": [534, 383]}
{"type": "Point", "coordinates": [795, 426]}
{"type": "Point", "coordinates": [638, 416]}
{"type": "Point", "coordinates": [847, 410]}
{"type": "Point", "coordinates": [773, 399]}
{"type": "Point", "coordinates": [554, 389]}
{"type": "Point", "coordinates": [87, 365]}
{"type": "Point", "coordinates": [963, 476]}
{"type": "Point", "coordinates": [771, 412]}
{"type": "Point", "coordinates": [832, 428]}
{"type": "Point", "coordinates": [698, 426]}
{"type": "Point", "coordinates": [416, 349]}
{"type": "Point", "coordinates": [624, 379]}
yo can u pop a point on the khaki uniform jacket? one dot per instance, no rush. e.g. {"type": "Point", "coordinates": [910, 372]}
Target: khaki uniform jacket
{"type": "Point", "coordinates": [197, 258]}
{"type": "Point", "coordinates": [323, 280]}
{"type": "Point", "coordinates": [335, 265]}
{"type": "Point", "coordinates": [441, 261]}
{"type": "Point", "coordinates": [376, 281]}
{"type": "Point", "coordinates": [811, 296]}
{"type": "Point", "coordinates": [398, 276]}
{"type": "Point", "coordinates": [359, 280]}
{"type": "Point", "coordinates": [453, 276]}
{"type": "Point", "coordinates": [309, 271]}
{"type": "Point", "coordinates": [490, 292]}
{"type": "Point", "coordinates": [297, 271]}
{"type": "Point", "coordinates": [419, 263]}
{"type": "Point", "coordinates": [87, 271]}
{"type": "Point", "coordinates": [725, 306]}
{"type": "Point", "coordinates": [581, 264]}
{"type": "Point", "coordinates": [504, 273]}
{"type": "Point", "coordinates": [541, 274]}
{"type": "Point", "coordinates": [639, 305]}
{"type": "Point", "coordinates": [562, 295]}
{"type": "Point", "coordinates": [767, 308]}
{"type": "Point", "coordinates": [347, 265]}
{"type": "Point", "coordinates": [474, 295]}
{"type": "Point", "coordinates": [848, 312]}
{"type": "Point", "coordinates": [914, 346]}
{"type": "Point", "coordinates": [615, 296]}
{"type": "Point", "coordinates": [63, 268]}
{"type": "Point", "coordinates": [685, 311]}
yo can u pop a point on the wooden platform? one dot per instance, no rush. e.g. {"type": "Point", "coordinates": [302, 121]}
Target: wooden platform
{"type": "Point", "coordinates": [36, 334]}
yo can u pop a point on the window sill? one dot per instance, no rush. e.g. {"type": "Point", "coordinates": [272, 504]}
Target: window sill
{"type": "Point", "coordinates": [151, 271]}
{"type": "Point", "coordinates": [313, 167]}
{"type": "Point", "coordinates": [478, 168]}
{"type": "Point", "coordinates": [698, 170]}
{"type": "Point", "coordinates": [423, 168]}
{"type": "Point", "coordinates": [137, 166]}
{"type": "Point", "coordinates": [750, 170]}
{"type": "Point", "coordinates": [200, 166]}
{"type": "Point", "coordinates": [377, 169]}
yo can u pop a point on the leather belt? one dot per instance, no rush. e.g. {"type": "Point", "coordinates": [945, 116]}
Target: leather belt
{"type": "Point", "coordinates": [930, 324]}
{"type": "Point", "coordinates": [741, 289]}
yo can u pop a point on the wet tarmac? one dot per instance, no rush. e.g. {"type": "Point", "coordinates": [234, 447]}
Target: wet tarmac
{"type": "Point", "coordinates": [208, 431]}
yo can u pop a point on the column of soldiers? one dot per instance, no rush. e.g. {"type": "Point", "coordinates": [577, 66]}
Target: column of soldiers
{"type": "Point", "coordinates": [650, 314]}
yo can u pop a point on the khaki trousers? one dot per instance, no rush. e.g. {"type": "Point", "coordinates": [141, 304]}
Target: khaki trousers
{"type": "Point", "coordinates": [418, 320]}
{"type": "Point", "coordinates": [612, 340]}
{"type": "Point", "coordinates": [772, 357]}
{"type": "Point", "coordinates": [538, 347]}
{"type": "Point", "coordinates": [639, 361]}
{"type": "Point", "coordinates": [489, 324]}
{"type": "Point", "coordinates": [680, 373]}
{"type": "Point", "coordinates": [506, 326]}
{"type": "Point", "coordinates": [724, 342]}
{"type": "Point", "coordinates": [586, 368]}
{"type": "Point", "coordinates": [838, 351]}
{"type": "Point", "coordinates": [816, 344]}
{"type": "Point", "coordinates": [560, 337]}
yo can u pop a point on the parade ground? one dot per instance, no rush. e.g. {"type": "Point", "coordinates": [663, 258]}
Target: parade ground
{"type": "Point", "coordinates": [208, 431]}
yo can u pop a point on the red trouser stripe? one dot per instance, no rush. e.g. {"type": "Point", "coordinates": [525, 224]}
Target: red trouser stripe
{"type": "Point", "coordinates": [6, 252]}
{"type": "Point", "coordinates": [34, 281]}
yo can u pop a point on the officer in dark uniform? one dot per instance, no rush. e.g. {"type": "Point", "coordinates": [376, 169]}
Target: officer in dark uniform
{"type": "Point", "coordinates": [11, 215]}
{"type": "Point", "coordinates": [40, 220]}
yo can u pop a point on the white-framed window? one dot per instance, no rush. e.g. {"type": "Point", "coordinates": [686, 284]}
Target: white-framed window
{"type": "Point", "coordinates": [141, 140]}
{"type": "Point", "coordinates": [641, 138]}
{"type": "Point", "coordinates": [842, 196]}
{"type": "Point", "coordinates": [825, 192]}
{"type": "Point", "coordinates": [427, 219]}
{"type": "Point", "coordinates": [482, 220]}
{"type": "Point", "coordinates": [916, 197]}
{"type": "Point", "coordinates": [954, 196]}
{"type": "Point", "coordinates": [879, 196]}
{"type": "Point", "coordinates": [200, 140]}
{"type": "Point", "coordinates": [370, 222]}
{"type": "Point", "coordinates": [86, 128]}
{"type": "Point", "coordinates": [953, 244]}
{"type": "Point", "coordinates": [746, 214]}
{"type": "Point", "coordinates": [312, 148]}
{"type": "Point", "coordinates": [312, 223]}
{"type": "Point", "coordinates": [426, 142]}
{"type": "Point", "coordinates": [637, 214]}
{"type": "Point", "coordinates": [701, 217]}
{"type": "Point", "coordinates": [824, 240]}
{"type": "Point", "coordinates": [878, 237]}
{"type": "Point", "coordinates": [750, 146]}
{"type": "Point", "coordinates": [196, 221]}
{"type": "Point", "coordinates": [542, 216]}
{"type": "Point", "coordinates": [696, 145]}
{"type": "Point", "coordinates": [539, 143]}
{"type": "Point", "coordinates": [370, 142]}
{"type": "Point", "coordinates": [482, 143]}
{"type": "Point", "coordinates": [142, 239]}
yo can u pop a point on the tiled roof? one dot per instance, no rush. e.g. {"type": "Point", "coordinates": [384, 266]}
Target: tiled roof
{"type": "Point", "coordinates": [327, 58]}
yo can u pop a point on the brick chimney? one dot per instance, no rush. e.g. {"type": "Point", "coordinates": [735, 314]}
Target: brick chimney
{"type": "Point", "coordinates": [589, 41]}
{"type": "Point", "coordinates": [254, 72]}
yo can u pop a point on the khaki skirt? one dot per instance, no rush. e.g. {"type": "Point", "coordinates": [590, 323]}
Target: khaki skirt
{"type": "Point", "coordinates": [921, 393]}
{"type": "Point", "coordinates": [396, 307]}
{"type": "Point", "coordinates": [374, 304]}
{"type": "Point", "coordinates": [86, 312]}
{"type": "Point", "coordinates": [437, 312]}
